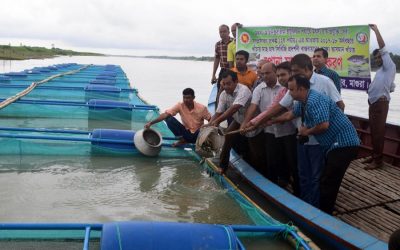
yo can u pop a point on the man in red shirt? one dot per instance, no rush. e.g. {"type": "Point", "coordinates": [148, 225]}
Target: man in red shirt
{"type": "Point", "coordinates": [192, 115]}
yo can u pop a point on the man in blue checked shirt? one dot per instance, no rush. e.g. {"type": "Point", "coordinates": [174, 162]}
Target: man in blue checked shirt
{"type": "Point", "coordinates": [332, 129]}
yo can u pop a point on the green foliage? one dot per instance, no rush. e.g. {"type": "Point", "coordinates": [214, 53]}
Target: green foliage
{"type": "Point", "coordinates": [26, 52]}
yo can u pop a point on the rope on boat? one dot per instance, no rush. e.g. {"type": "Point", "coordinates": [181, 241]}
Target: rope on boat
{"type": "Point", "coordinates": [26, 91]}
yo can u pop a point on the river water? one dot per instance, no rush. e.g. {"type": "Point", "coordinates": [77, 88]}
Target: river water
{"type": "Point", "coordinates": [161, 81]}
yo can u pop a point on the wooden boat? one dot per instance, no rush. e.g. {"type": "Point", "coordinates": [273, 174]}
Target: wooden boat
{"type": "Point", "coordinates": [339, 232]}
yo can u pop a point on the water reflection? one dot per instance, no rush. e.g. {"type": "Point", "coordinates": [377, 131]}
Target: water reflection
{"type": "Point", "coordinates": [77, 189]}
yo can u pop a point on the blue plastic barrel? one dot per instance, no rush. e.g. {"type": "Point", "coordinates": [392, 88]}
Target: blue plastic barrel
{"type": "Point", "coordinates": [104, 82]}
{"type": "Point", "coordinates": [32, 71]}
{"type": "Point", "coordinates": [96, 91]}
{"type": "Point", "coordinates": [110, 110]}
{"type": "Point", "coordinates": [16, 74]}
{"type": "Point", "coordinates": [44, 70]}
{"type": "Point", "coordinates": [4, 78]}
{"type": "Point", "coordinates": [102, 88]}
{"type": "Point", "coordinates": [114, 134]}
{"type": "Point", "coordinates": [166, 236]}
{"type": "Point", "coordinates": [105, 77]}
{"type": "Point", "coordinates": [96, 104]}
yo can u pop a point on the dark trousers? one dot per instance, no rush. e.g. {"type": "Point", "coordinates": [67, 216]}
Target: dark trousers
{"type": "Point", "coordinates": [226, 148]}
{"type": "Point", "coordinates": [377, 121]}
{"type": "Point", "coordinates": [337, 162]}
{"type": "Point", "coordinates": [179, 130]}
{"type": "Point", "coordinates": [287, 153]}
{"type": "Point", "coordinates": [256, 153]}
{"type": "Point", "coordinates": [271, 152]}
{"type": "Point", "coordinates": [311, 162]}
{"type": "Point", "coordinates": [394, 240]}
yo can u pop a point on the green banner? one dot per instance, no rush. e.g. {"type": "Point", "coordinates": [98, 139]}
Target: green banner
{"type": "Point", "coordinates": [347, 46]}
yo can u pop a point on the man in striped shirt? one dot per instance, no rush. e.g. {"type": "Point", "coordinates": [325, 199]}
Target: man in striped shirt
{"type": "Point", "coordinates": [221, 51]}
{"type": "Point", "coordinates": [319, 61]}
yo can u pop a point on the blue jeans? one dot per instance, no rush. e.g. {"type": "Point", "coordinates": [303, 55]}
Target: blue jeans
{"type": "Point", "coordinates": [311, 162]}
{"type": "Point", "coordinates": [179, 130]}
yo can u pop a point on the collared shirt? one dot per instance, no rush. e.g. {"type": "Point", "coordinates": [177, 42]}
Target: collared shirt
{"type": "Point", "coordinates": [232, 52]}
{"type": "Point", "coordinates": [221, 50]}
{"type": "Point", "coordinates": [333, 75]}
{"type": "Point", "coordinates": [282, 129]}
{"type": "Point", "coordinates": [248, 78]}
{"type": "Point", "coordinates": [383, 80]}
{"type": "Point", "coordinates": [263, 95]}
{"type": "Point", "coordinates": [241, 95]}
{"type": "Point", "coordinates": [191, 119]}
{"type": "Point", "coordinates": [319, 108]}
{"type": "Point", "coordinates": [321, 84]}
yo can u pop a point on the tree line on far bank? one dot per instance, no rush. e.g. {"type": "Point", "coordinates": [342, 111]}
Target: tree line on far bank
{"type": "Point", "coordinates": [8, 52]}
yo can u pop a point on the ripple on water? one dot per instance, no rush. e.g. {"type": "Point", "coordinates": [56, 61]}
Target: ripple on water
{"type": "Point", "coordinates": [109, 188]}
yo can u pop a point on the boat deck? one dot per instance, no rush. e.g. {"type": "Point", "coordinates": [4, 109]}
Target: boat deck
{"type": "Point", "coordinates": [370, 199]}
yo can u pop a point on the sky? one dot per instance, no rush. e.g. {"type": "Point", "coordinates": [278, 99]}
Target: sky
{"type": "Point", "coordinates": [177, 27]}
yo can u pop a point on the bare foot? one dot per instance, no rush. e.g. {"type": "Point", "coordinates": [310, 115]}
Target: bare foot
{"type": "Point", "coordinates": [369, 159]}
{"type": "Point", "coordinates": [178, 143]}
{"type": "Point", "coordinates": [373, 166]}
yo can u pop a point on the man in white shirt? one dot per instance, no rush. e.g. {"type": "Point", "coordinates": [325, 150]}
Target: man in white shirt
{"type": "Point", "coordinates": [378, 100]}
{"type": "Point", "coordinates": [233, 102]}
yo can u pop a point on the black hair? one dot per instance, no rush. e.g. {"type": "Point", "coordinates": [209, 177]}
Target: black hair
{"type": "Point", "coordinates": [285, 66]}
{"type": "Point", "coordinates": [243, 53]}
{"type": "Point", "coordinates": [224, 25]}
{"type": "Point", "coordinates": [324, 52]}
{"type": "Point", "coordinates": [231, 73]}
{"type": "Point", "coordinates": [303, 61]}
{"type": "Point", "coordinates": [188, 91]}
{"type": "Point", "coordinates": [375, 52]}
{"type": "Point", "coordinates": [301, 81]}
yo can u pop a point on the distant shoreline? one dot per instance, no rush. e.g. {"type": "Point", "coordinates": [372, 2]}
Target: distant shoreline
{"type": "Point", "coordinates": [189, 58]}
{"type": "Point", "coordinates": [8, 52]}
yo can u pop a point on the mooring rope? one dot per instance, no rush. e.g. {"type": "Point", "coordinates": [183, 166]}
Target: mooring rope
{"type": "Point", "coordinates": [31, 87]}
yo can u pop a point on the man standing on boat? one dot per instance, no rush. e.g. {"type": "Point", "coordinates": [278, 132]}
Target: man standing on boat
{"type": "Point", "coordinates": [233, 102]}
{"type": "Point", "coordinates": [310, 154]}
{"type": "Point", "coordinates": [262, 97]}
{"type": "Point", "coordinates": [192, 114]}
{"type": "Point", "coordinates": [337, 136]}
{"type": "Point", "coordinates": [320, 58]}
{"type": "Point", "coordinates": [378, 100]}
{"type": "Point", "coordinates": [232, 46]}
{"type": "Point", "coordinates": [285, 143]}
{"type": "Point", "coordinates": [221, 51]}
{"type": "Point", "coordinates": [245, 75]}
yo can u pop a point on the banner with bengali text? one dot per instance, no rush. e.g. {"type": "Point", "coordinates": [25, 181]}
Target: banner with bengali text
{"type": "Point", "coordinates": [347, 46]}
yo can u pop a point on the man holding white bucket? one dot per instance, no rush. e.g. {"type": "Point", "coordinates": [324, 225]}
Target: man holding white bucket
{"type": "Point", "coordinates": [192, 115]}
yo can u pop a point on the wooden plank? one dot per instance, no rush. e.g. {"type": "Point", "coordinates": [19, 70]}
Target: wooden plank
{"type": "Point", "coordinates": [379, 182]}
{"type": "Point", "coordinates": [356, 219]}
{"type": "Point", "coordinates": [395, 207]}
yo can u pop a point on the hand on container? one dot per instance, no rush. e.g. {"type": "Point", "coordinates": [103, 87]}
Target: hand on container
{"type": "Point", "coordinates": [148, 125]}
